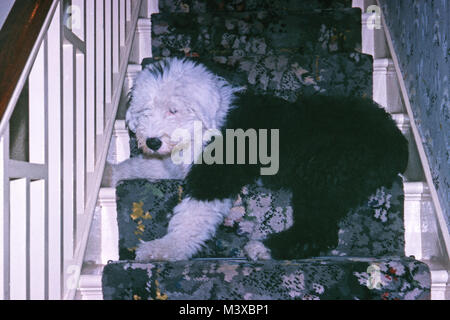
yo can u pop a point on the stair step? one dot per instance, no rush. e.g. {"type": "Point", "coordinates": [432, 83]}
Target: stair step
{"type": "Point", "coordinates": [218, 279]}
{"type": "Point", "coordinates": [290, 75]}
{"type": "Point", "coordinates": [144, 209]}
{"type": "Point", "coordinates": [256, 32]}
{"type": "Point", "coordinates": [171, 6]}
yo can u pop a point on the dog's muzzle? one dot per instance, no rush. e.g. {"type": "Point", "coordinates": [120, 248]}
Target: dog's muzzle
{"type": "Point", "coordinates": [153, 143]}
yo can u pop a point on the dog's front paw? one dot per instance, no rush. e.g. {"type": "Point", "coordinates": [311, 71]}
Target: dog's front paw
{"type": "Point", "coordinates": [164, 249]}
{"type": "Point", "coordinates": [256, 250]}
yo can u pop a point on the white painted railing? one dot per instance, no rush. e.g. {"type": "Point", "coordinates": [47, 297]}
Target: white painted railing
{"type": "Point", "coordinates": [73, 81]}
{"type": "Point", "coordinates": [103, 242]}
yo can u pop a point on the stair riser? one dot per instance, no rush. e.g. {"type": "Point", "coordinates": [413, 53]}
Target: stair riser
{"type": "Point", "coordinates": [256, 33]}
{"type": "Point", "coordinates": [171, 6]}
{"type": "Point", "coordinates": [334, 278]}
{"type": "Point", "coordinates": [289, 76]}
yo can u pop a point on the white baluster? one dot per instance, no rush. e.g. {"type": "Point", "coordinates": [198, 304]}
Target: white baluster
{"type": "Point", "coordinates": [4, 216]}
{"type": "Point", "coordinates": [115, 38]}
{"type": "Point", "coordinates": [37, 240]}
{"type": "Point", "coordinates": [80, 138]}
{"type": "Point", "coordinates": [90, 89]}
{"type": "Point", "coordinates": [100, 73]}
{"type": "Point", "coordinates": [19, 241]}
{"type": "Point", "coordinates": [128, 11]}
{"type": "Point", "coordinates": [122, 22]}
{"type": "Point", "coordinates": [68, 152]}
{"type": "Point", "coordinates": [37, 110]}
{"type": "Point", "coordinates": [108, 57]}
{"type": "Point", "coordinates": [54, 119]}
{"type": "Point", "coordinates": [38, 140]}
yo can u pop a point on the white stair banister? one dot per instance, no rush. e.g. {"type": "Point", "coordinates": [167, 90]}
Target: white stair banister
{"type": "Point", "coordinates": [103, 240]}
{"type": "Point", "coordinates": [75, 74]}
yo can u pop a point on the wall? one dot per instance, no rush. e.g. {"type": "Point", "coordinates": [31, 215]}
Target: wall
{"type": "Point", "coordinates": [420, 31]}
{"type": "Point", "coordinates": [5, 7]}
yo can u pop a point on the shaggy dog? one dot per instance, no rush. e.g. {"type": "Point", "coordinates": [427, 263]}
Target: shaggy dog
{"type": "Point", "coordinates": [334, 152]}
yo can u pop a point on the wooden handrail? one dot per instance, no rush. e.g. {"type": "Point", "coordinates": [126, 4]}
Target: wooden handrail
{"type": "Point", "coordinates": [17, 39]}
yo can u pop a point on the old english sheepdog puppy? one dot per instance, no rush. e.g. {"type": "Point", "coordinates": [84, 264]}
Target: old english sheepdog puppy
{"type": "Point", "coordinates": [332, 153]}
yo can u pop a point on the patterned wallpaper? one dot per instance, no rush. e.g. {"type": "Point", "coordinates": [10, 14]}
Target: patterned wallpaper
{"type": "Point", "coordinates": [420, 31]}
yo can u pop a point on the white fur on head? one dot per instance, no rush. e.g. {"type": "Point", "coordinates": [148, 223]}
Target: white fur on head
{"type": "Point", "coordinates": [173, 93]}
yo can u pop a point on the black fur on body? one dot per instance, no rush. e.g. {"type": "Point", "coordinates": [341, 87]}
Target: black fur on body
{"type": "Point", "coordinates": [334, 153]}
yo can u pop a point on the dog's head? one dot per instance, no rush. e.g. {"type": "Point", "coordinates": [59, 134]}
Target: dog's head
{"type": "Point", "coordinates": [173, 94]}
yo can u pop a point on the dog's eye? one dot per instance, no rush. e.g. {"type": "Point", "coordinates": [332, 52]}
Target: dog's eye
{"type": "Point", "coordinates": [173, 111]}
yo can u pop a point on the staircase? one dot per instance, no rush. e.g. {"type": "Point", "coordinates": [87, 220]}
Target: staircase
{"type": "Point", "coordinates": [285, 48]}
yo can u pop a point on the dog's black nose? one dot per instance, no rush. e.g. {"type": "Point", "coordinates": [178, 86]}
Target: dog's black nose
{"type": "Point", "coordinates": [153, 143]}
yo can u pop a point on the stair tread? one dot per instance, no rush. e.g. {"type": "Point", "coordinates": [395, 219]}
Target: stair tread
{"type": "Point", "coordinates": [321, 278]}
{"type": "Point", "coordinates": [242, 5]}
{"type": "Point", "coordinates": [374, 229]}
{"type": "Point", "coordinates": [257, 32]}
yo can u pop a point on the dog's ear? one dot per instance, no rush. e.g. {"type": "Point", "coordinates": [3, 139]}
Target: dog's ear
{"type": "Point", "coordinates": [207, 115]}
{"type": "Point", "coordinates": [130, 120]}
{"type": "Point", "coordinates": [227, 97]}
